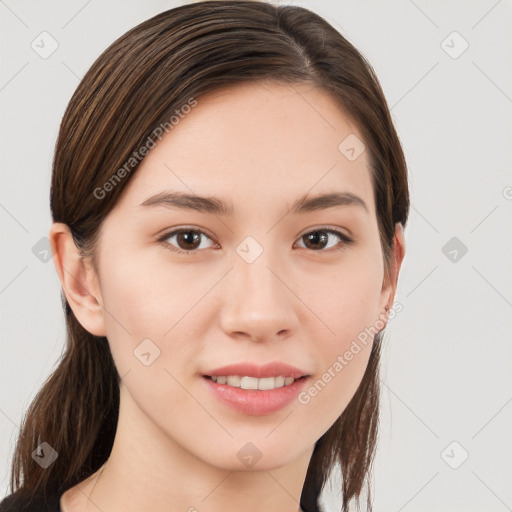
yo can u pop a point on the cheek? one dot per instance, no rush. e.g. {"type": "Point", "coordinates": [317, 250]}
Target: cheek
{"type": "Point", "coordinates": [342, 358]}
{"type": "Point", "coordinates": [145, 299]}
{"type": "Point", "coordinates": [147, 313]}
{"type": "Point", "coordinates": [350, 317]}
{"type": "Point", "coordinates": [345, 298]}
{"type": "Point", "coordinates": [146, 296]}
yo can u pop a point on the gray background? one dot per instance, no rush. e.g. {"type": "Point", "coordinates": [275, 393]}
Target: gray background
{"type": "Point", "coordinates": [446, 368]}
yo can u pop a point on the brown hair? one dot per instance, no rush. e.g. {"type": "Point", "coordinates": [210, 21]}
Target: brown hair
{"type": "Point", "coordinates": [132, 88]}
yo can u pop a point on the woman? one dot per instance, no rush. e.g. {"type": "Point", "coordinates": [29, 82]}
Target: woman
{"type": "Point", "coordinates": [228, 196]}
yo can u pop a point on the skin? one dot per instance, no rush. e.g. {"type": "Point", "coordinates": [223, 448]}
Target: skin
{"type": "Point", "coordinates": [258, 147]}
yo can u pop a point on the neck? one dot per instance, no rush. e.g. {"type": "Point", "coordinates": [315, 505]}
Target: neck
{"type": "Point", "coordinates": [147, 470]}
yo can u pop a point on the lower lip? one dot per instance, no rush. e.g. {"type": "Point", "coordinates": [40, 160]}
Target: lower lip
{"type": "Point", "coordinates": [255, 402]}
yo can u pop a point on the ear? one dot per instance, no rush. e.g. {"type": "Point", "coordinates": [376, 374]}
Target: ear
{"type": "Point", "coordinates": [391, 278]}
{"type": "Point", "coordinates": [78, 279]}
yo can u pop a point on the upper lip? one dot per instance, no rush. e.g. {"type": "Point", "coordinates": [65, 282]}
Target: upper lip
{"type": "Point", "coordinates": [273, 369]}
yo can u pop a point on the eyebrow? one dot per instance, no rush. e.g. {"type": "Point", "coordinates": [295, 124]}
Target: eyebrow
{"type": "Point", "coordinates": [216, 206]}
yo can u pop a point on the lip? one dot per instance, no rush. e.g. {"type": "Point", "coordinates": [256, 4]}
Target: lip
{"type": "Point", "coordinates": [273, 369]}
{"type": "Point", "coordinates": [255, 402]}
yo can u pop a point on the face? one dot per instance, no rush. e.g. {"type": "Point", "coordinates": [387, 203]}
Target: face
{"type": "Point", "coordinates": [187, 288]}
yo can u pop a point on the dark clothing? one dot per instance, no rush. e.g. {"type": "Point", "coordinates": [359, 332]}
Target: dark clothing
{"type": "Point", "coordinates": [16, 503]}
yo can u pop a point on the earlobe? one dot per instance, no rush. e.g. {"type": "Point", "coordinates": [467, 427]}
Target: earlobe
{"type": "Point", "coordinates": [78, 280]}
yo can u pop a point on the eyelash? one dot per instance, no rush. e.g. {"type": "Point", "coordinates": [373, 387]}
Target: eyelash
{"type": "Point", "coordinates": [345, 239]}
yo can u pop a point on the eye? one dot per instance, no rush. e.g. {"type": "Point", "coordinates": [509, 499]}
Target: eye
{"type": "Point", "coordinates": [318, 240]}
{"type": "Point", "coordinates": [188, 240]}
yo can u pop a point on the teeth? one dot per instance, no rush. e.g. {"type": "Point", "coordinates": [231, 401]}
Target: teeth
{"type": "Point", "coordinates": [246, 382]}
{"type": "Point", "coordinates": [279, 381]}
{"type": "Point", "coordinates": [233, 380]}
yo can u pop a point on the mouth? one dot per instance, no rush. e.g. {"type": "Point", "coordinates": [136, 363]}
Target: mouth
{"type": "Point", "coordinates": [256, 390]}
{"type": "Point", "coordinates": [261, 384]}
{"type": "Point", "coordinates": [253, 396]}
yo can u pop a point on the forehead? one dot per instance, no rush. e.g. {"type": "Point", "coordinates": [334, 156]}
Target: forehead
{"type": "Point", "coordinates": [260, 140]}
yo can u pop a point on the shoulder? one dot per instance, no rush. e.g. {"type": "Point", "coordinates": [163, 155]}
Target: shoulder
{"type": "Point", "coordinates": [17, 502]}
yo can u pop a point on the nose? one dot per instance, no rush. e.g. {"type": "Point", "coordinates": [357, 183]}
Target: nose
{"type": "Point", "coordinates": [258, 301]}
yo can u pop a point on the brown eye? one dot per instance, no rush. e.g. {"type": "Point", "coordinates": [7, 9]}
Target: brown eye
{"type": "Point", "coordinates": [188, 241]}
{"type": "Point", "coordinates": [316, 240]}
{"type": "Point", "coordinates": [319, 239]}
